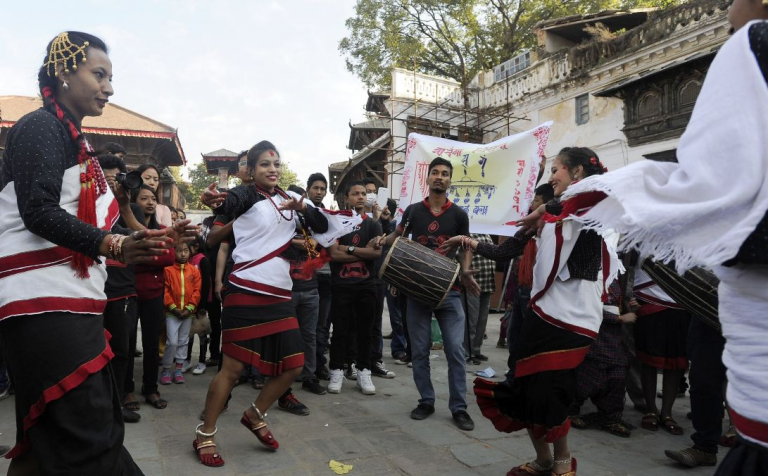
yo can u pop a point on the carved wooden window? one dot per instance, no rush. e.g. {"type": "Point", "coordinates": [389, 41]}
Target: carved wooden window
{"type": "Point", "coordinates": [649, 106]}
{"type": "Point", "coordinates": [582, 109]}
{"type": "Point", "coordinates": [689, 92]}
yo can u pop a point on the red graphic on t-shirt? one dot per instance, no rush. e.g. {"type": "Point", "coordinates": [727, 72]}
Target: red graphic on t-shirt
{"type": "Point", "coordinates": [432, 242]}
{"type": "Point", "coordinates": [354, 270]}
{"type": "Point", "coordinates": [433, 226]}
{"type": "Point", "coordinates": [355, 240]}
{"type": "Point", "coordinates": [297, 272]}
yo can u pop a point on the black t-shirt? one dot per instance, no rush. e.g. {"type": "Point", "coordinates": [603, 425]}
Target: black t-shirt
{"type": "Point", "coordinates": [430, 230]}
{"type": "Point", "coordinates": [357, 273]}
{"type": "Point", "coordinates": [121, 279]}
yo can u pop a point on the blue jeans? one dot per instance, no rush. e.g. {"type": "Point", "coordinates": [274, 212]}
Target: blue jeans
{"type": "Point", "coordinates": [307, 305]}
{"type": "Point", "coordinates": [394, 303]}
{"type": "Point", "coordinates": [450, 317]}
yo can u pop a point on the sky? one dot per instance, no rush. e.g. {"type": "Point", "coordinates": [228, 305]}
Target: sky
{"type": "Point", "coordinates": [226, 74]}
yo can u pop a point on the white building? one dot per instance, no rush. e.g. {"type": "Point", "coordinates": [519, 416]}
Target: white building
{"type": "Point", "coordinates": [629, 98]}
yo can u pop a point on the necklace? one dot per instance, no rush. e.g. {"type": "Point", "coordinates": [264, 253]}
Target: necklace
{"type": "Point", "coordinates": [266, 195]}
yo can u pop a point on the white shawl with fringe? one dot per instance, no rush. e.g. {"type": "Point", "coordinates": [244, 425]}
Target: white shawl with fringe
{"type": "Point", "coordinates": [698, 211]}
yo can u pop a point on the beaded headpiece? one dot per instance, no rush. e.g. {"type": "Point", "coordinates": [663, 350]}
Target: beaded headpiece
{"type": "Point", "coordinates": [63, 50]}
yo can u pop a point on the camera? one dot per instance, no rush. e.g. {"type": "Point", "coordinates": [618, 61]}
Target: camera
{"type": "Point", "coordinates": [130, 181]}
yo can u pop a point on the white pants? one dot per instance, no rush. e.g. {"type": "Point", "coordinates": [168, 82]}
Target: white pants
{"type": "Point", "coordinates": [178, 338]}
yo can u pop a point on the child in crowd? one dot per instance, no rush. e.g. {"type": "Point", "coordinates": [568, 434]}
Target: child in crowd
{"type": "Point", "coordinates": [200, 261]}
{"type": "Point", "coordinates": [602, 376]}
{"type": "Point", "coordinates": [182, 294]}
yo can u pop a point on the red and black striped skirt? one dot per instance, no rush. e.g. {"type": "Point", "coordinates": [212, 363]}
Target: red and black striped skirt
{"type": "Point", "coordinates": [545, 382]}
{"type": "Point", "coordinates": [262, 331]}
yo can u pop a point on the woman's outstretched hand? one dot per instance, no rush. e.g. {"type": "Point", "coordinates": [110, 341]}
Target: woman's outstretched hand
{"type": "Point", "coordinates": [450, 244]}
{"type": "Point", "coordinates": [143, 247]}
{"type": "Point", "coordinates": [182, 231]}
{"type": "Point", "coordinates": [293, 204]}
{"type": "Point", "coordinates": [211, 197]}
{"type": "Point", "coordinates": [533, 222]}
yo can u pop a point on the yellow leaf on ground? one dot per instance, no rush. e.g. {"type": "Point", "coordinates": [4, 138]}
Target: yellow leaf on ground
{"type": "Point", "coordinates": [339, 468]}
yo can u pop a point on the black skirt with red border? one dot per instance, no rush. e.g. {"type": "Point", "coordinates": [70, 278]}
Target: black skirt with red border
{"type": "Point", "coordinates": [68, 413]}
{"type": "Point", "coordinates": [661, 338]}
{"type": "Point", "coordinates": [262, 331]}
{"type": "Point", "coordinates": [744, 459]}
{"type": "Point", "coordinates": [544, 387]}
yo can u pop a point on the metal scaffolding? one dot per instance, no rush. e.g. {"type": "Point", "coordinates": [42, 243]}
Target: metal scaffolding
{"type": "Point", "coordinates": [476, 122]}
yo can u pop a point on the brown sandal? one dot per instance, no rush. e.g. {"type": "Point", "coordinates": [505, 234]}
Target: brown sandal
{"type": "Point", "coordinates": [529, 469]}
{"type": "Point", "coordinates": [617, 429]}
{"type": "Point", "coordinates": [578, 422]}
{"type": "Point", "coordinates": [155, 400]}
{"type": "Point", "coordinates": [650, 421]}
{"type": "Point", "coordinates": [669, 424]}
{"type": "Point", "coordinates": [132, 404]}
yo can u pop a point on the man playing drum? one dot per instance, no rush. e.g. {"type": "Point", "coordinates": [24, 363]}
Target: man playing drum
{"type": "Point", "coordinates": [430, 223]}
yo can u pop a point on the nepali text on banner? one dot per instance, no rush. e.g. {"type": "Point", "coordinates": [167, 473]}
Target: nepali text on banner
{"type": "Point", "coordinates": [494, 183]}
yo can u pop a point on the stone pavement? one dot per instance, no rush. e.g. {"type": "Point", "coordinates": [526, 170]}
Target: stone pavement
{"type": "Point", "coordinates": [375, 434]}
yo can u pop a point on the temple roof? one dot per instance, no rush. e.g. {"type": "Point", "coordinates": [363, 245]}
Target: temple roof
{"type": "Point", "coordinates": [221, 153]}
{"type": "Point", "coordinates": [116, 121]}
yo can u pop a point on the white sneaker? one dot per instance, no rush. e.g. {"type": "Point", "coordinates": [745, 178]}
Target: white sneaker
{"type": "Point", "coordinates": [200, 369]}
{"type": "Point", "coordinates": [351, 372]}
{"type": "Point", "coordinates": [187, 365]}
{"type": "Point", "coordinates": [364, 382]}
{"type": "Point", "coordinates": [337, 378]}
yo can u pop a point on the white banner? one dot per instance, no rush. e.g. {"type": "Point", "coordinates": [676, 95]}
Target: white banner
{"type": "Point", "coordinates": [493, 183]}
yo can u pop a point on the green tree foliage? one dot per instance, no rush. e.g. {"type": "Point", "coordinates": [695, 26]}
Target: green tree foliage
{"type": "Point", "coordinates": [199, 180]}
{"type": "Point", "coordinates": [452, 38]}
{"type": "Point", "coordinates": [288, 177]}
